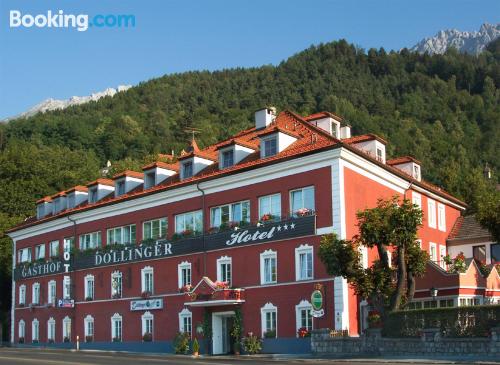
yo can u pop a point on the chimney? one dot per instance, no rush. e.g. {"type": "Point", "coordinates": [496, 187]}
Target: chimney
{"type": "Point", "coordinates": [345, 132]}
{"type": "Point", "coordinates": [264, 117]}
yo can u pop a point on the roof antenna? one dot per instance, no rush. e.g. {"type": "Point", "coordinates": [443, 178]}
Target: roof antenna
{"type": "Point", "coordinates": [192, 131]}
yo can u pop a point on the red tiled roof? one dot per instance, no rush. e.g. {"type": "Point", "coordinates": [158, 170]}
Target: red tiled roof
{"type": "Point", "coordinates": [276, 129]}
{"type": "Point", "coordinates": [468, 228]}
{"type": "Point", "coordinates": [239, 141]}
{"type": "Point", "coordinates": [364, 138]}
{"type": "Point", "coordinates": [107, 182]}
{"type": "Point", "coordinates": [57, 195]}
{"type": "Point", "coordinates": [45, 199]}
{"type": "Point", "coordinates": [162, 165]}
{"type": "Point", "coordinates": [77, 188]}
{"type": "Point", "coordinates": [208, 153]}
{"type": "Point", "coordinates": [403, 159]}
{"type": "Point", "coordinates": [321, 115]}
{"type": "Point", "coordinates": [138, 175]}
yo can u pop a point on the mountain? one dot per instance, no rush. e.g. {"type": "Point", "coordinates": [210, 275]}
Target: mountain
{"type": "Point", "coordinates": [465, 42]}
{"type": "Point", "coordinates": [55, 104]}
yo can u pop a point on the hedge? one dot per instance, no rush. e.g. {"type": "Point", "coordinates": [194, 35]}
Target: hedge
{"type": "Point", "coordinates": [474, 321]}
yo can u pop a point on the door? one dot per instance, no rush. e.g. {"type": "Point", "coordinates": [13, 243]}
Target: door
{"type": "Point", "coordinates": [222, 324]}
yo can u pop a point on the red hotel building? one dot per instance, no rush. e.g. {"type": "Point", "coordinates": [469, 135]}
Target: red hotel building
{"type": "Point", "coordinates": [121, 262]}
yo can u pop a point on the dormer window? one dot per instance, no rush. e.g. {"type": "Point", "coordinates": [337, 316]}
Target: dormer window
{"type": "Point", "coordinates": [227, 158]}
{"type": "Point", "coordinates": [149, 180]}
{"type": "Point", "coordinates": [380, 155]}
{"type": "Point", "coordinates": [187, 169]}
{"type": "Point", "coordinates": [120, 188]}
{"type": "Point", "coordinates": [416, 171]}
{"type": "Point", "coordinates": [93, 195]}
{"type": "Point", "coordinates": [270, 147]}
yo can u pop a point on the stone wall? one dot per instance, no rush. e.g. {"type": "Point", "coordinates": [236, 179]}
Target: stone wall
{"type": "Point", "coordinates": [430, 343]}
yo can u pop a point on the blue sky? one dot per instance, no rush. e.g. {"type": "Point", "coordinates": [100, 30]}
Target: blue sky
{"type": "Point", "coordinates": [176, 36]}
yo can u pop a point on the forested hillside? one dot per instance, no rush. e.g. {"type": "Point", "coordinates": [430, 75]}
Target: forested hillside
{"type": "Point", "coordinates": [443, 109]}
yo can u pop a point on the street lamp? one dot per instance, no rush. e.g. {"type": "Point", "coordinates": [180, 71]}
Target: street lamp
{"type": "Point", "coordinates": [434, 293]}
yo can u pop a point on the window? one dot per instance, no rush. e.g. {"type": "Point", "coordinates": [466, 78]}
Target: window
{"type": "Point", "coordinates": [270, 147]}
{"type": "Point", "coordinates": [116, 328]}
{"type": "Point", "coordinates": [433, 252]}
{"type": "Point", "coordinates": [149, 180]}
{"type": "Point", "coordinates": [147, 280]}
{"type": "Point", "coordinates": [416, 172]}
{"type": "Point", "coordinates": [21, 330]}
{"type": "Point", "coordinates": [303, 315]}
{"type": "Point", "coordinates": [90, 240]}
{"type": "Point", "coordinates": [93, 195]}
{"type": "Point", "coordinates": [186, 321]}
{"type": "Point", "coordinates": [442, 254]}
{"type": "Point", "coordinates": [416, 199]}
{"type": "Point", "coordinates": [89, 287]}
{"type": "Point", "coordinates": [40, 252]}
{"type": "Point", "coordinates": [224, 214]}
{"type": "Point", "coordinates": [363, 250]}
{"type": "Point", "coordinates": [444, 303]}
{"type": "Point", "coordinates": [121, 235]}
{"type": "Point", "coordinates": [22, 294]}
{"type": "Point", "coordinates": [116, 285]}
{"type": "Point", "coordinates": [120, 188]}
{"type": "Point", "coordinates": [88, 325]}
{"type": "Point", "coordinates": [189, 222]}
{"type": "Point", "coordinates": [187, 169]}
{"type": "Point", "coordinates": [24, 255]}
{"type": "Point", "coordinates": [184, 274]}
{"type": "Point", "coordinates": [51, 330]}
{"type": "Point", "coordinates": [380, 155]}
{"type": "Point", "coordinates": [147, 323]}
{"type": "Point", "coordinates": [269, 314]}
{"type": "Point", "coordinates": [154, 229]}
{"type": "Point", "coordinates": [415, 305]}
{"type": "Point", "coordinates": [67, 287]}
{"type": "Point", "coordinates": [67, 329]}
{"type": "Point", "coordinates": [270, 205]}
{"type": "Point", "coordinates": [441, 217]}
{"type": "Point", "coordinates": [268, 264]}
{"type": "Point", "coordinates": [468, 302]}
{"type": "Point", "coordinates": [227, 158]}
{"type": "Point", "coordinates": [224, 269]}
{"type": "Point", "coordinates": [54, 248]}
{"type": "Point", "coordinates": [431, 207]}
{"type": "Point", "coordinates": [51, 290]}
{"type": "Point", "coordinates": [35, 330]}
{"type": "Point", "coordinates": [479, 253]}
{"type": "Point", "coordinates": [430, 304]}
{"type": "Point", "coordinates": [302, 200]}
{"type": "Point", "coordinates": [35, 294]}
{"type": "Point", "coordinates": [304, 262]}
{"type": "Point", "coordinates": [495, 252]}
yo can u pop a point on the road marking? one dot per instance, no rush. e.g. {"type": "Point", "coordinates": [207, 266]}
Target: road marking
{"type": "Point", "coordinates": [31, 360]}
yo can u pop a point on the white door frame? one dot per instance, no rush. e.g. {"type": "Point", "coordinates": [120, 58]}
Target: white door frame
{"type": "Point", "coordinates": [217, 330]}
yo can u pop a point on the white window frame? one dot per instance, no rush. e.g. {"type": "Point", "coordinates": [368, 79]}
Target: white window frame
{"type": "Point", "coordinates": [229, 151]}
{"type": "Point", "coordinates": [66, 323]}
{"type": "Point", "coordinates": [51, 329]}
{"type": "Point", "coordinates": [67, 287]}
{"type": "Point", "coordinates": [441, 210]}
{"type": "Point", "coordinates": [302, 205]}
{"type": "Point", "coordinates": [122, 239]}
{"type": "Point", "coordinates": [22, 294]}
{"type": "Point", "coordinates": [216, 213]}
{"type": "Point", "coordinates": [35, 294]}
{"type": "Point", "coordinates": [270, 203]}
{"type": "Point", "coordinates": [53, 244]}
{"type": "Point", "coordinates": [185, 313]}
{"type": "Point", "coordinates": [185, 165]}
{"type": "Point", "coordinates": [225, 260]}
{"type": "Point", "coordinates": [162, 228]}
{"type": "Point", "coordinates": [115, 319]}
{"type": "Point", "coordinates": [268, 255]}
{"type": "Point", "coordinates": [40, 251]}
{"type": "Point", "coordinates": [268, 308]}
{"type": "Point", "coordinates": [416, 199]}
{"type": "Point", "coordinates": [89, 287]}
{"type": "Point", "coordinates": [363, 251]}
{"type": "Point", "coordinates": [52, 285]}
{"type": "Point", "coordinates": [88, 324]}
{"type": "Point", "coordinates": [21, 329]}
{"type": "Point", "coordinates": [180, 221]}
{"type": "Point", "coordinates": [35, 330]}
{"type": "Point", "coordinates": [303, 305]}
{"type": "Point", "coordinates": [431, 213]}
{"type": "Point", "coordinates": [146, 271]}
{"type": "Point", "coordinates": [266, 140]}
{"type": "Point", "coordinates": [432, 256]}
{"type": "Point", "coordinates": [301, 250]}
{"type": "Point", "coordinates": [90, 240]}
{"type": "Point", "coordinates": [119, 280]}
{"type": "Point", "coordinates": [147, 316]}
{"type": "Point", "coordinates": [442, 253]}
{"type": "Point", "coordinates": [180, 268]}
{"type": "Point", "coordinates": [24, 255]}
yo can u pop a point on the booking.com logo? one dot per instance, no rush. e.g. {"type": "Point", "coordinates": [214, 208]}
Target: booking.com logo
{"type": "Point", "coordinates": [80, 22]}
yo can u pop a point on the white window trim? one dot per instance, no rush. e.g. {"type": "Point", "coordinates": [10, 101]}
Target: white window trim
{"type": "Point", "coordinates": [304, 304]}
{"type": "Point", "coordinates": [87, 279]}
{"type": "Point", "coordinates": [224, 260]}
{"type": "Point", "coordinates": [115, 318]}
{"type": "Point", "coordinates": [267, 308]}
{"type": "Point", "coordinates": [147, 316]}
{"type": "Point", "coordinates": [185, 313]}
{"type": "Point", "coordinates": [440, 253]}
{"type": "Point", "coordinates": [37, 332]}
{"type": "Point", "coordinates": [230, 206]}
{"type": "Point", "coordinates": [303, 249]}
{"type": "Point", "coordinates": [268, 254]}
{"type": "Point", "coordinates": [301, 189]}
{"type": "Point", "coordinates": [144, 271]}
{"type": "Point", "coordinates": [21, 329]}
{"type": "Point", "coordinates": [124, 240]}
{"type": "Point", "coordinates": [431, 245]}
{"type": "Point", "coordinates": [183, 215]}
{"type": "Point", "coordinates": [441, 217]}
{"type": "Point", "coordinates": [270, 200]}
{"type": "Point", "coordinates": [88, 319]}
{"type": "Point", "coordinates": [182, 266]}
{"type": "Point", "coordinates": [66, 321]}
{"type": "Point", "coordinates": [35, 299]}
{"type": "Point", "coordinates": [117, 274]}
{"type": "Point", "coordinates": [162, 234]}
{"type": "Point", "coordinates": [416, 199]}
{"type": "Point", "coordinates": [22, 294]}
{"type": "Point", "coordinates": [363, 251]}
{"type": "Point", "coordinates": [51, 323]}
{"type": "Point", "coordinates": [431, 212]}
{"type": "Point", "coordinates": [51, 300]}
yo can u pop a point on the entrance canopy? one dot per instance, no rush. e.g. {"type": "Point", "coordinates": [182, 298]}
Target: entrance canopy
{"type": "Point", "coordinates": [208, 294]}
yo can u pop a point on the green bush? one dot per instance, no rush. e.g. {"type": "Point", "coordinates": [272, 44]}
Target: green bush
{"type": "Point", "coordinates": [474, 321]}
{"type": "Point", "coordinates": [252, 344]}
{"type": "Point", "coordinates": [181, 343]}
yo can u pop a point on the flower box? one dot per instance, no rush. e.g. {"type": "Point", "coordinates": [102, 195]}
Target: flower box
{"type": "Point", "coordinates": [303, 332]}
{"type": "Point", "coordinates": [147, 337]}
{"type": "Point", "coordinates": [146, 294]}
{"type": "Point", "coordinates": [89, 338]}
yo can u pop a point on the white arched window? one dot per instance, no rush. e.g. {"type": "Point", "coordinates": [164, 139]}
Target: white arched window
{"type": "Point", "coordinates": [186, 321]}
{"type": "Point", "coordinates": [268, 267]}
{"type": "Point", "coordinates": [147, 280]}
{"type": "Point", "coordinates": [184, 274]}
{"type": "Point", "coordinates": [35, 294]}
{"type": "Point", "coordinates": [116, 328]}
{"type": "Point", "coordinates": [224, 271]}
{"type": "Point", "coordinates": [147, 324]}
{"type": "Point", "coordinates": [269, 320]}
{"type": "Point", "coordinates": [88, 325]}
{"type": "Point", "coordinates": [21, 330]}
{"type": "Point", "coordinates": [51, 330]}
{"type": "Point", "coordinates": [67, 329]}
{"type": "Point", "coordinates": [304, 263]}
{"type": "Point", "coordinates": [303, 315]}
{"type": "Point", "coordinates": [116, 284]}
{"type": "Point", "coordinates": [35, 330]}
{"type": "Point", "coordinates": [89, 287]}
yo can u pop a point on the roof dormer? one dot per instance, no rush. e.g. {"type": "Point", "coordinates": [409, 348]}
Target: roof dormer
{"type": "Point", "coordinates": [275, 140]}
{"type": "Point", "coordinates": [99, 189]}
{"type": "Point", "coordinates": [59, 202]}
{"type": "Point", "coordinates": [408, 165]}
{"type": "Point", "coordinates": [234, 151]}
{"type": "Point", "coordinates": [43, 207]}
{"type": "Point", "coordinates": [76, 196]}
{"type": "Point", "coordinates": [193, 160]}
{"type": "Point", "coordinates": [371, 144]}
{"type": "Point", "coordinates": [329, 122]}
{"type": "Point", "coordinates": [127, 181]}
{"type": "Point", "coordinates": [157, 172]}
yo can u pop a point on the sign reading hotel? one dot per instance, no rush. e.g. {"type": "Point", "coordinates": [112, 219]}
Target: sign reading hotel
{"type": "Point", "coordinates": [251, 235]}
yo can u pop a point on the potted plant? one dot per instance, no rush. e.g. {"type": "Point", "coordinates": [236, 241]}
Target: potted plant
{"type": "Point", "coordinates": [303, 332]}
{"type": "Point", "coordinates": [116, 295]}
{"type": "Point", "coordinates": [147, 337]}
{"type": "Point", "coordinates": [196, 347]}
{"type": "Point", "coordinates": [34, 342]}
{"type": "Point", "coordinates": [302, 212]}
{"type": "Point", "coordinates": [237, 347]}
{"type": "Point", "coordinates": [21, 340]}
{"type": "Point", "coordinates": [89, 338]}
{"type": "Point", "coordinates": [145, 294]}
{"type": "Point", "coordinates": [221, 285]}
{"type": "Point", "coordinates": [252, 344]}
{"type": "Point", "coordinates": [186, 288]}
{"type": "Point", "coordinates": [66, 339]}
{"type": "Point", "coordinates": [374, 319]}
{"type": "Point", "coordinates": [270, 334]}
{"type": "Point", "coordinates": [267, 217]}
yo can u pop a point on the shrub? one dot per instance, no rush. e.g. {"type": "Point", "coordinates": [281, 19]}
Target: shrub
{"type": "Point", "coordinates": [196, 346]}
{"type": "Point", "coordinates": [474, 321]}
{"type": "Point", "coordinates": [270, 334]}
{"type": "Point", "coordinates": [303, 332]}
{"type": "Point", "coordinates": [181, 343]}
{"type": "Point", "coordinates": [252, 344]}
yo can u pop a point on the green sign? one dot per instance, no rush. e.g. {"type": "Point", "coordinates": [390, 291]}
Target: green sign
{"type": "Point", "coordinates": [317, 300]}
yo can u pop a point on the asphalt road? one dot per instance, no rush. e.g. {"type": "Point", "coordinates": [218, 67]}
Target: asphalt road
{"type": "Point", "coordinates": [24, 356]}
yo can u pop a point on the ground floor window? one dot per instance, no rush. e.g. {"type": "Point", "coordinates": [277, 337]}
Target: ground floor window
{"type": "Point", "coordinates": [185, 321]}
{"type": "Point", "coordinates": [67, 329]}
{"type": "Point", "coordinates": [89, 328]}
{"type": "Point", "coordinates": [467, 302]}
{"type": "Point", "coordinates": [430, 304]}
{"type": "Point", "coordinates": [269, 314]}
{"type": "Point", "coordinates": [147, 326]}
{"type": "Point", "coordinates": [35, 330]}
{"type": "Point", "coordinates": [116, 328]}
{"type": "Point", "coordinates": [21, 330]}
{"type": "Point", "coordinates": [116, 285]}
{"type": "Point", "coordinates": [304, 323]}
{"type": "Point", "coordinates": [51, 330]}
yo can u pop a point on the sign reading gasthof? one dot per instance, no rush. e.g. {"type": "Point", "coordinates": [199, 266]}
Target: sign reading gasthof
{"type": "Point", "coordinates": [146, 304]}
